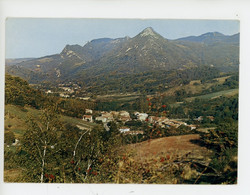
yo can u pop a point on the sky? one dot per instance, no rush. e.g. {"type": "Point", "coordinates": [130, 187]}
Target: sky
{"type": "Point", "coordinates": [34, 37]}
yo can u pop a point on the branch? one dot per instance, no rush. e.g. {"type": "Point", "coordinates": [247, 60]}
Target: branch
{"type": "Point", "coordinates": [89, 165]}
{"type": "Point", "coordinates": [200, 175]}
{"type": "Point", "coordinates": [74, 152]}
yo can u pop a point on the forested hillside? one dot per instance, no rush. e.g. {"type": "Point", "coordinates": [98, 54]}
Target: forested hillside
{"type": "Point", "coordinates": [18, 92]}
{"type": "Point", "coordinates": [147, 51]}
{"type": "Point", "coordinates": [84, 152]}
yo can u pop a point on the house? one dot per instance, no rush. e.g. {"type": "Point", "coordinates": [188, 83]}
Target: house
{"type": "Point", "coordinates": [124, 113]}
{"type": "Point", "coordinates": [136, 113]}
{"type": "Point", "coordinates": [200, 118]}
{"type": "Point", "coordinates": [114, 114]}
{"type": "Point", "coordinates": [64, 95]}
{"type": "Point", "coordinates": [141, 116]}
{"type": "Point", "coordinates": [152, 119]}
{"type": "Point", "coordinates": [87, 118]}
{"type": "Point", "coordinates": [108, 116]}
{"type": "Point", "coordinates": [101, 118]}
{"type": "Point", "coordinates": [88, 111]}
{"type": "Point", "coordinates": [211, 118]}
{"type": "Point", "coordinates": [124, 129]}
{"type": "Point", "coordinates": [84, 98]}
{"type": "Point", "coordinates": [67, 89]}
{"type": "Point", "coordinates": [125, 118]}
{"type": "Point", "coordinates": [134, 132]}
{"type": "Point", "coordinates": [192, 127]}
{"type": "Point", "coordinates": [105, 117]}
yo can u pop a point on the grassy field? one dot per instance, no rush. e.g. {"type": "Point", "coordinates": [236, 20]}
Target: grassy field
{"type": "Point", "coordinates": [16, 117]}
{"type": "Point", "coordinates": [119, 97]}
{"type": "Point", "coordinates": [175, 146]}
{"type": "Point", "coordinates": [229, 92]}
{"type": "Point", "coordinates": [168, 160]}
{"type": "Point", "coordinates": [12, 175]}
{"type": "Point", "coordinates": [76, 121]}
{"type": "Point", "coordinates": [195, 86]}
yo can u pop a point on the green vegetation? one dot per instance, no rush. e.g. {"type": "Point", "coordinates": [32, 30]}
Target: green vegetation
{"type": "Point", "coordinates": [148, 82]}
{"type": "Point", "coordinates": [188, 87]}
{"type": "Point", "coordinates": [228, 92]}
{"type": "Point", "coordinates": [52, 151]}
{"type": "Point", "coordinates": [224, 142]}
{"type": "Point", "coordinates": [18, 92]}
{"type": "Point", "coordinates": [54, 145]}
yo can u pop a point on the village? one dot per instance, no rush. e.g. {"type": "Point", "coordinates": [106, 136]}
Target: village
{"type": "Point", "coordinates": [123, 117]}
{"type": "Point", "coordinates": [71, 90]}
{"type": "Point", "coordinates": [66, 90]}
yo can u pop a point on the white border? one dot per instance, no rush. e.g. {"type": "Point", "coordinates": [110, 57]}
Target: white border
{"type": "Point", "coordinates": [169, 9]}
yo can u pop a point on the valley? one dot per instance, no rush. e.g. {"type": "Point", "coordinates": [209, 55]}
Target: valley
{"type": "Point", "coordinates": [142, 110]}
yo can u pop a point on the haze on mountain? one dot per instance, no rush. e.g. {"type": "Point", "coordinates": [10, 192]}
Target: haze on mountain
{"type": "Point", "coordinates": [146, 52]}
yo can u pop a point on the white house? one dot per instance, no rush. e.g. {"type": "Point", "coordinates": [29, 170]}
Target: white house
{"type": "Point", "coordinates": [124, 130]}
{"type": "Point", "coordinates": [142, 116]}
{"type": "Point", "coordinates": [88, 111]}
{"type": "Point", "coordinates": [64, 95]}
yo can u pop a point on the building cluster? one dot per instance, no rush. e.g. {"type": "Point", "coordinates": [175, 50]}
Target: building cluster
{"type": "Point", "coordinates": [65, 90]}
{"type": "Point", "coordinates": [124, 116]}
{"type": "Point", "coordinates": [106, 117]}
{"type": "Point", "coordinates": [164, 122]}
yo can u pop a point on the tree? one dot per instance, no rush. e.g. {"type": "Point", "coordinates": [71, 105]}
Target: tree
{"type": "Point", "coordinates": [224, 142]}
{"type": "Point", "coordinates": [40, 142]}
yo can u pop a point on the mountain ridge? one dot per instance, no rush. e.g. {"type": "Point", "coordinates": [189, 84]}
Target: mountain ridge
{"type": "Point", "coordinates": [147, 51]}
{"type": "Point", "coordinates": [210, 38]}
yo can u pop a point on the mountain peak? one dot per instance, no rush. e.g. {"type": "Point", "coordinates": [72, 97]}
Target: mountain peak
{"type": "Point", "coordinates": [148, 32]}
{"type": "Point", "coordinates": [212, 34]}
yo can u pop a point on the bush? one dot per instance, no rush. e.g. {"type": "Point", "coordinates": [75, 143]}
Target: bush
{"type": "Point", "coordinates": [9, 137]}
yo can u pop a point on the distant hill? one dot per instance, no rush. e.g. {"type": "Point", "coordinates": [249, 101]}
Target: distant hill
{"type": "Point", "coordinates": [10, 61]}
{"type": "Point", "coordinates": [147, 51]}
{"type": "Point", "coordinates": [212, 37]}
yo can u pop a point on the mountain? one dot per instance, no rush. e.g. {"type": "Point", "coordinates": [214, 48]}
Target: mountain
{"type": "Point", "coordinates": [93, 49]}
{"type": "Point", "coordinates": [211, 38]}
{"type": "Point", "coordinates": [54, 67]}
{"type": "Point", "coordinates": [146, 52]}
{"type": "Point", "coordinates": [14, 61]}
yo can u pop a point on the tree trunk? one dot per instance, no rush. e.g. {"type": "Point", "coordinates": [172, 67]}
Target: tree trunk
{"type": "Point", "coordinates": [43, 162]}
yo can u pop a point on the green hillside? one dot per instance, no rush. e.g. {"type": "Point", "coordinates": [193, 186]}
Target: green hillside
{"type": "Point", "coordinates": [147, 51]}
{"type": "Point", "coordinates": [16, 117]}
